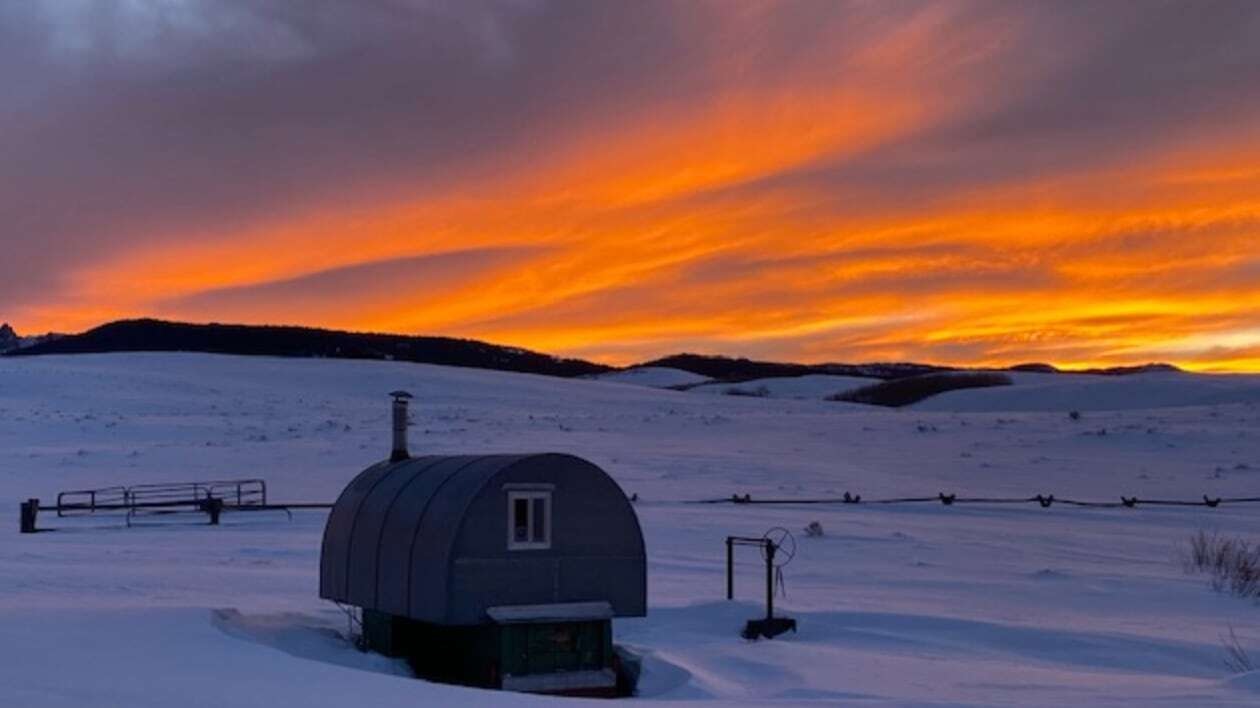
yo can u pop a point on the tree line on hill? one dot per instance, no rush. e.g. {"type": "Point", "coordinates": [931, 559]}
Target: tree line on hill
{"type": "Point", "coordinates": [151, 335]}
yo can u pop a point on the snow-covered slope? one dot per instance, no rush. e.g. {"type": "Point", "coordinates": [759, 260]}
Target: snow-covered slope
{"type": "Point", "coordinates": [815, 386]}
{"type": "Point", "coordinates": [654, 376]}
{"type": "Point", "coordinates": [809, 386]}
{"type": "Point", "coordinates": [1083, 392]}
{"type": "Point", "coordinates": [898, 605]}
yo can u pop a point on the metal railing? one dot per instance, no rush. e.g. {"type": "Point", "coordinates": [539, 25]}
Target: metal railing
{"type": "Point", "coordinates": [234, 493]}
{"type": "Point", "coordinates": [87, 501]}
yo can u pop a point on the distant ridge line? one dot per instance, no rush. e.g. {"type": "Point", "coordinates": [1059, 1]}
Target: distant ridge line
{"type": "Point", "coordinates": [726, 369]}
{"type": "Point", "coordinates": [151, 335]}
{"type": "Point", "coordinates": [156, 335]}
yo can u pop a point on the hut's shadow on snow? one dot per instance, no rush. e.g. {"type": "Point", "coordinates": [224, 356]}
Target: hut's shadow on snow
{"type": "Point", "coordinates": [308, 637]}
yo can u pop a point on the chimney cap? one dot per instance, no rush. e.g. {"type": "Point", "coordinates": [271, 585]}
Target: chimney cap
{"type": "Point", "coordinates": [400, 395]}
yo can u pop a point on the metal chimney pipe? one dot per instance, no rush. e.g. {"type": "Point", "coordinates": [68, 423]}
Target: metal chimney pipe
{"type": "Point", "coordinates": [400, 426]}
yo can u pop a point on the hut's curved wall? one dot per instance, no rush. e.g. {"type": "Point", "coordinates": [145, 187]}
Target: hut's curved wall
{"type": "Point", "coordinates": [426, 538]}
{"type": "Point", "coordinates": [596, 548]}
{"type": "Point", "coordinates": [335, 548]}
{"type": "Point", "coordinates": [400, 536]}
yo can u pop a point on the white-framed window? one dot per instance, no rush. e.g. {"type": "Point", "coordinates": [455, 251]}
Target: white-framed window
{"type": "Point", "coordinates": [529, 520]}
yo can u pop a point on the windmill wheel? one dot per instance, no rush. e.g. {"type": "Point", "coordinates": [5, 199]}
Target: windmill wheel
{"type": "Point", "coordinates": [784, 545]}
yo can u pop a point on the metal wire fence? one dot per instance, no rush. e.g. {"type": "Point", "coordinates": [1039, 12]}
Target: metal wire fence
{"type": "Point", "coordinates": [1045, 501]}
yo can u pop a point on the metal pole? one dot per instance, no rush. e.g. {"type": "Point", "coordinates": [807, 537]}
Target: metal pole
{"type": "Point", "coordinates": [400, 426]}
{"type": "Point", "coordinates": [770, 579]}
{"type": "Point", "coordinates": [730, 568]}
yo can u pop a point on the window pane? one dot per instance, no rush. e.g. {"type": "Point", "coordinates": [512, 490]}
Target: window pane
{"type": "Point", "coordinates": [540, 520]}
{"type": "Point", "coordinates": [520, 520]}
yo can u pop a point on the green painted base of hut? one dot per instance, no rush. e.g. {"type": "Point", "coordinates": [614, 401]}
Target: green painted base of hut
{"type": "Point", "coordinates": [516, 651]}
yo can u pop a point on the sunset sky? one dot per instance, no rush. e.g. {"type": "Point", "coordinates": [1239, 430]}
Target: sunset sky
{"type": "Point", "coordinates": [958, 182]}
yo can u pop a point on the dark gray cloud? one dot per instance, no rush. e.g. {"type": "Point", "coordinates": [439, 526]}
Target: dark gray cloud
{"type": "Point", "coordinates": [349, 289]}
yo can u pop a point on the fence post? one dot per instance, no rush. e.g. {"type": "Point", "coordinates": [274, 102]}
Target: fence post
{"type": "Point", "coordinates": [213, 506]}
{"type": "Point", "coordinates": [730, 570]}
{"type": "Point", "coordinates": [30, 510]}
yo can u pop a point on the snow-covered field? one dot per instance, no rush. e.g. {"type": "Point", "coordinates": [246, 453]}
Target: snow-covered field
{"type": "Point", "coordinates": [899, 605]}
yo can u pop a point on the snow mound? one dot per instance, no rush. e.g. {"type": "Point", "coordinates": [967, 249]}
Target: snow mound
{"type": "Point", "coordinates": [653, 376]}
{"type": "Point", "coordinates": [1249, 681]}
{"type": "Point", "coordinates": [300, 636]}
